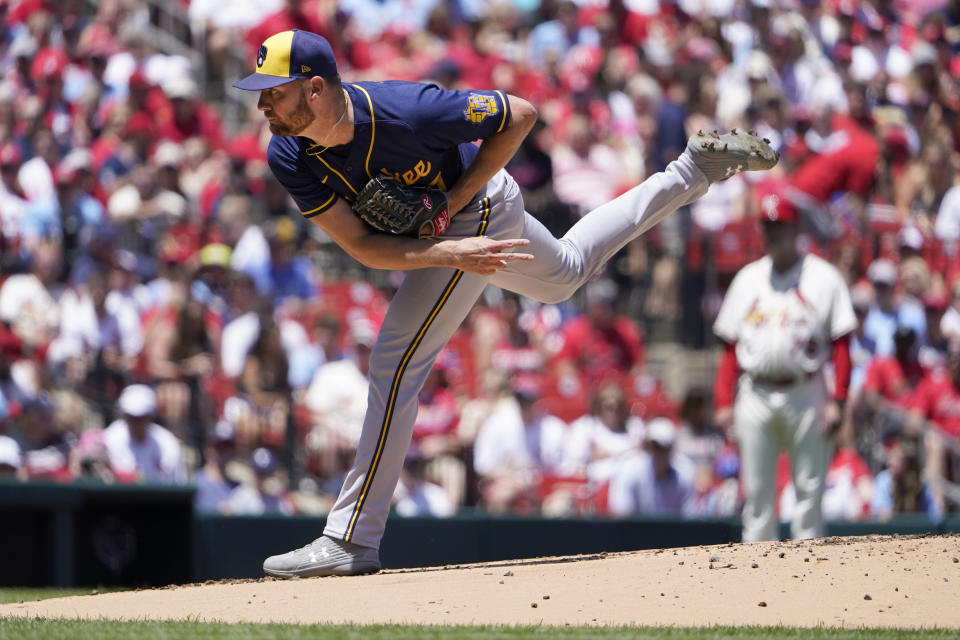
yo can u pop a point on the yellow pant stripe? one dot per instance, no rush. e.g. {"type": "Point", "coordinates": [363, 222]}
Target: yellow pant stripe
{"type": "Point", "coordinates": [388, 414]}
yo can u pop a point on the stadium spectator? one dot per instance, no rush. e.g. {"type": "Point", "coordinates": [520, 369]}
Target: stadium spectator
{"type": "Point", "coordinates": [98, 347]}
{"type": "Point", "coordinates": [435, 435]}
{"type": "Point", "coordinates": [516, 447]}
{"type": "Point", "coordinates": [600, 341]}
{"type": "Point", "coordinates": [947, 225]}
{"type": "Point", "coordinates": [190, 117]}
{"type": "Point", "coordinates": [844, 160]}
{"type": "Point", "coordinates": [262, 409]}
{"type": "Point", "coordinates": [213, 481]}
{"type": "Point", "coordinates": [13, 203]}
{"type": "Point", "coordinates": [598, 442]}
{"type": "Point", "coordinates": [180, 345]}
{"type": "Point", "coordinates": [11, 459]}
{"type": "Point", "coordinates": [243, 328]}
{"type": "Point", "coordinates": [587, 172]}
{"type": "Point", "coordinates": [291, 275]}
{"type": "Point", "coordinates": [862, 346]}
{"type": "Point", "coordinates": [264, 493]}
{"type": "Point", "coordinates": [933, 347]}
{"type": "Point", "coordinates": [900, 485]}
{"type": "Point", "coordinates": [654, 482]}
{"type": "Point", "coordinates": [887, 314]}
{"type": "Point", "coordinates": [337, 400]}
{"type": "Point", "coordinates": [935, 415]}
{"type": "Point", "coordinates": [251, 251]}
{"type": "Point", "coordinates": [699, 440]}
{"type": "Point", "coordinates": [90, 459]}
{"type": "Point", "coordinates": [512, 337]}
{"type": "Point", "coordinates": [29, 301]}
{"type": "Point", "coordinates": [46, 451]}
{"type": "Point", "coordinates": [416, 495]}
{"type": "Point", "coordinates": [887, 392]}
{"type": "Point", "coordinates": [139, 448]}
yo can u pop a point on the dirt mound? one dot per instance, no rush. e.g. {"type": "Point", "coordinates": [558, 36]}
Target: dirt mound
{"type": "Point", "coordinates": [836, 582]}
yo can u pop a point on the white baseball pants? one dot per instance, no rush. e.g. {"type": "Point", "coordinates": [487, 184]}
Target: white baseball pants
{"type": "Point", "coordinates": [767, 421]}
{"type": "Point", "coordinates": [431, 304]}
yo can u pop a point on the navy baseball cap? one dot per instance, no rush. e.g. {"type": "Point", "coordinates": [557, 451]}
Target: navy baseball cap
{"type": "Point", "coordinates": [289, 55]}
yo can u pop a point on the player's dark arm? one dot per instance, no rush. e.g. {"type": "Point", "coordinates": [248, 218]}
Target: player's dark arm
{"type": "Point", "coordinates": [481, 255]}
{"type": "Point", "coordinates": [495, 152]}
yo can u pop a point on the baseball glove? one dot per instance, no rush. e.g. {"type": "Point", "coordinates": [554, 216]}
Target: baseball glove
{"type": "Point", "coordinates": [388, 206]}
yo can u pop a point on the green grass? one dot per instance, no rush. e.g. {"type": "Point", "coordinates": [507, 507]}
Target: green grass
{"type": "Point", "coordinates": [39, 629]}
{"type": "Point", "coordinates": [27, 594]}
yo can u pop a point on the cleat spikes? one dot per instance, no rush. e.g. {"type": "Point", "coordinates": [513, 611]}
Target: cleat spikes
{"type": "Point", "coordinates": [721, 156]}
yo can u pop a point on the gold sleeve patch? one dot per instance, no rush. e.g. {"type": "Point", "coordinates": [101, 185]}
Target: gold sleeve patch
{"type": "Point", "coordinates": [479, 107]}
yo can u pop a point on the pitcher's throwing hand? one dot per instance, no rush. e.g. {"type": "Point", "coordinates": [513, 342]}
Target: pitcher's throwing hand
{"type": "Point", "coordinates": [485, 256]}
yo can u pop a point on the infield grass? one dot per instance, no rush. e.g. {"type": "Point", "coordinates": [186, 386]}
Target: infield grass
{"type": "Point", "coordinates": [41, 629]}
{"type": "Point", "coordinates": [28, 594]}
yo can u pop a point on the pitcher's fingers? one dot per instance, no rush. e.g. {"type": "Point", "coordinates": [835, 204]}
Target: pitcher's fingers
{"type": "Point", "coordinates": [515, 257]}
{"type": "Point", "coordinates": [509, 244]}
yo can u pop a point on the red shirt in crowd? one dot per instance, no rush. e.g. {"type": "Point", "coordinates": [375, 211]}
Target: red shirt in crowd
{"type": "Point", "coordinates": [597, 351]}
{"type": "Point", "coordinates": [937, 399]}
{"type": "Point", "coordinates": [847, 163]}
{"type": "Point", "coordinates": [892, 379]}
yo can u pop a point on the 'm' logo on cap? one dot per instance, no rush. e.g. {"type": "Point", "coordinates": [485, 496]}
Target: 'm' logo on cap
{"type": "Point", "coordinates": [261, 55]}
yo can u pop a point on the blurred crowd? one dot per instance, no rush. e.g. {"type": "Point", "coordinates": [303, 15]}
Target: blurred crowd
{"type": "Point", "coordinates": [167, 316]}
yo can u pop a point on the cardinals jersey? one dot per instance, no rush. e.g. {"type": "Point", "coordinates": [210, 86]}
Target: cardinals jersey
{"type": "Point", "coordinates": [783, 325]}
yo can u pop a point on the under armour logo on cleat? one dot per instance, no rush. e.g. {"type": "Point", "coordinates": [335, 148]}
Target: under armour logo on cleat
{"type": "Point", "coordinates": [733, 170]}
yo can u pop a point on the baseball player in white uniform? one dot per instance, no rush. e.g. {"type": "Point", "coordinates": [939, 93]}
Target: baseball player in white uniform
{"type": "Point", "coordinates": [331, 138]}
{"type": "Point", "coordinates": [783, 317]}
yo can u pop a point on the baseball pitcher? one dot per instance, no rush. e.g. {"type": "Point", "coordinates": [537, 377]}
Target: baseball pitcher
{"type": "Point", "coordinates": [388, 170]}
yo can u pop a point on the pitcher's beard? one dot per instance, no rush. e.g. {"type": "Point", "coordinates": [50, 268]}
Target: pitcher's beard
{"type": "Point", "coordinates": [299, 120]}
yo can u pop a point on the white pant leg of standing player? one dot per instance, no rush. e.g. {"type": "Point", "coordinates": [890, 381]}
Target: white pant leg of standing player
{"type": "Point", "coordinates": [810, 455]}
{"type": "Point", "coordinates": [414, 332]}
{"type": "Point", "coordinates": [770, 420]}
{"type": "Point", "coordinates": [759, 432]}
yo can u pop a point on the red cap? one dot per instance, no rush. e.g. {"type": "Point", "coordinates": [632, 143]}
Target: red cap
{"type": "Point", "coordinates": [774, 206]}
{"type": "Point", "coordinates": [48, 64]}
{"type": "Point", "coordinates": [139, 80]}
{"type": "Point", "coordinates": [10, 155]}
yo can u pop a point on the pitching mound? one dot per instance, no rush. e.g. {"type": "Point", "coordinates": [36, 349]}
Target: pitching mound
{"type": "Point", "coordinates": [835, 582]}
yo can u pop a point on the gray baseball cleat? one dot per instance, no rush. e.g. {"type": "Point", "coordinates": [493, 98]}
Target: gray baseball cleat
{"type": "Point", "coordinates": [723, 156]}
{"type": "Point", "coordinates": [324, 557]}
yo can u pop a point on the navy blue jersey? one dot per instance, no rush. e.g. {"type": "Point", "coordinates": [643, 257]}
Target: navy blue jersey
{"type": "Point", "coordinates": [418, 133]}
